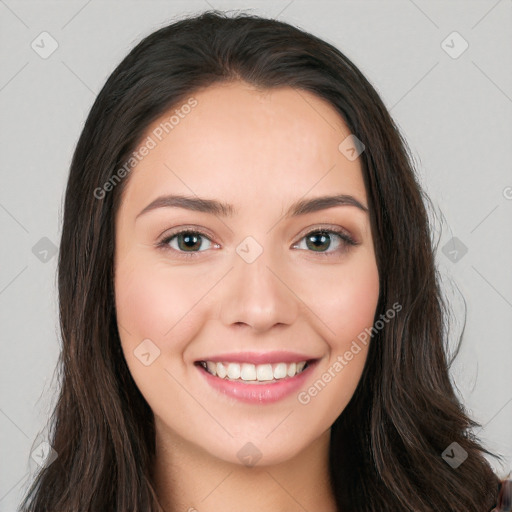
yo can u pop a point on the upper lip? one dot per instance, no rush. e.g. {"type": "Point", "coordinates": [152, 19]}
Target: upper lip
{"type": "Point", "coordinates": [278, 356]}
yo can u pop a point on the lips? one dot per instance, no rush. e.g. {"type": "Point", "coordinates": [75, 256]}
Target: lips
{"type": "Point", "coordinates": [256, 377]}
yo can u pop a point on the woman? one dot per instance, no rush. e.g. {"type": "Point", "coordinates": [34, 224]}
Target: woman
{"type": "Point", "coordinates": [250, 311]}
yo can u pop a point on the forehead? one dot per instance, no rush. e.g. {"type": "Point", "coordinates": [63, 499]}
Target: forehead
{"type": "Point", "coordinates": [240, 143]}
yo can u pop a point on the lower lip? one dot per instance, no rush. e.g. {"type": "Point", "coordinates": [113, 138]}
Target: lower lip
{"type": "Point", "coordinates": [258, 393]}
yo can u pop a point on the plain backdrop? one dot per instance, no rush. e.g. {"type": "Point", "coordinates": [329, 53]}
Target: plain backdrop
{"type": "Point", "coordinates": [442, 68]}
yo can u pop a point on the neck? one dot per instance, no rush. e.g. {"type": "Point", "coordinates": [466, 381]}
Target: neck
{"type": "Point", "coordinates": [187, 478]}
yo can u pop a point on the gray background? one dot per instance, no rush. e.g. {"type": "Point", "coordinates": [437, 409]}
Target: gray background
{"type": "Point", "coordinates": [454, 112]}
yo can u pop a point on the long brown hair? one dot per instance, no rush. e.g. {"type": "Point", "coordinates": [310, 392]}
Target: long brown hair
{"type": "Point", "coordinates": [387, 445]}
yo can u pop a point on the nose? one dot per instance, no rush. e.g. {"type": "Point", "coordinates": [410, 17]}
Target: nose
{"type": "Point", "coordinates": [258, 295]}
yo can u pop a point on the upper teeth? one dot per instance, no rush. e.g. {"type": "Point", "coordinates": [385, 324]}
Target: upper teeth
{"type": "Point", "coordinates": [248, 371]}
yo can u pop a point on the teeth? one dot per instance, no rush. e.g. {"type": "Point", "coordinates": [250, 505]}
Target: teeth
{"type": "Point", "coordinates": [234, 371]}
{"type": "Point", "coordinates": [248, 372]}
{"type": "Point", "coordinates": [220, 370]}
{"type": "Point", "coordinates": [264, 372]}
{"type": "Point", "coordinates": [251, 372]}
{"type": "Point", "coordinates": [281, 371]}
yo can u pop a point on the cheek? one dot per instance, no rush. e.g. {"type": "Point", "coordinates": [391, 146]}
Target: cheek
{"type": "Point", "coordinates": [141, 302]}
{"type": "Point", "coordinates": [156, 304]}
{"type": "Point", "coordinates": [354, 304]}
{"type": "Point", "coordinates": [147, 307]}
{"type": "Point", "coordinates": [346, 305]}
{"type": "Point", "coordinates": [345, 299]}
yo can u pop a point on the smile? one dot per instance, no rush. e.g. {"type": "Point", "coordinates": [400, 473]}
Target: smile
{"type": "Point", "coordinates": [263, 383]}
{"type": "Point", "coordinates": [248, 372]}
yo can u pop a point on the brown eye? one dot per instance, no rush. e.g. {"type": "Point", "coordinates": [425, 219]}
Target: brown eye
{"type": "Point", "coordinates": [323, 240]}
{"type": "Point", "coordinates": [186, 241]}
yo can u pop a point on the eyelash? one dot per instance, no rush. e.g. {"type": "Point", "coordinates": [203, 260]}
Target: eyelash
{"type": "Point", "coordinates": [346, 241]}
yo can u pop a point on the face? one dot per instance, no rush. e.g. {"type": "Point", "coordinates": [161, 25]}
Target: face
{"type": "Point", "coordinates": [253, 285]}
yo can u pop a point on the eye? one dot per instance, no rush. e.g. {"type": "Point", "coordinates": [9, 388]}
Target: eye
{"type": "Point", "coordinates": [186, 241]}
{"type": "Point", "coordinates": [320, 240]}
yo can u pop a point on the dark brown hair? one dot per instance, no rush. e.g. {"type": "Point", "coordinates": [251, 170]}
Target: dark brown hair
{"type": "Point", "coordinates": [386, 446]}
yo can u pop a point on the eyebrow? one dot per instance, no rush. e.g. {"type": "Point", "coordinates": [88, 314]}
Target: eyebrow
{"type": "Point", "coordinates": [212, 206]}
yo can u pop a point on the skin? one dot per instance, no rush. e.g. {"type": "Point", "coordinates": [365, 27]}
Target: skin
{"type": "Point", "coordinates": [259, 151]}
